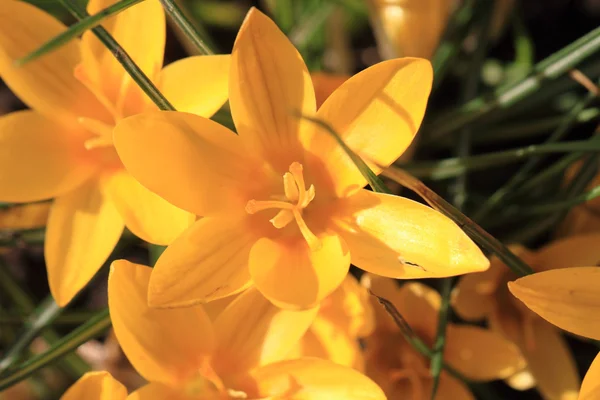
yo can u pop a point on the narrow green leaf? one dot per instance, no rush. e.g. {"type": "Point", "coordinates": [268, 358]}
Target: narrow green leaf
{"type": "Point", "coordinates": [191, 30]}
{"type": "Point", "coordinates": [94, 327]}
{"type": "Point", "coordinates": [76, 30]}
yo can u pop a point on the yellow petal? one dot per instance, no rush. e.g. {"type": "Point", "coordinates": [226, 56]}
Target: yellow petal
{"type": "Point", "coordinates": [25, 216]}
{"type": "Point", "coordinates": [146, 214]}
{"type": "Point", "coordinates": [313, 379]}
{"type": "Point", "coordinates": [212, 255]}
{"type": "Point", "coordinates": [47, 85]}
{"type": "Point", "coordinates": [192, 162]}
{"type": "Point", "coordinates": [377, 113]}
{"type": "Point", "coordinates": [198, 85]}
{"type": "Point", "coordinates": [568, 298]}
{"type": "Point", "coordinates": [590, 388]}
{"type": "Point", "coordinates": [54, 155]}
{"type": "Point", "coordinates": [575, 251]}
{"type": "Point", "coordinates": [96, 386]}
{"type": "Point", "coordinates": [449, 389]}
{"type": "Point", "coordinates": [163, 345]}
{"type": "Point", "coordinates": [400, 238]}
{"type": "Point", "coordinates": [159, 391]}
{"type": "Point", "coordinates": [551, 363]}
{"type": "Point", "coordinates": [253, 332]}
{"type": "Point", "coordinates": [141, 31]}
{"type": "Point", "coordinates": [480, 354]}
{"type": "Point", "coordinates": [83, 229]}
{"type": "Point", "coordinates": [325, 84]}
{"type": "Point", "coordinates": [269, 86]}
{"type": "Point", "coordinates": [291, 275]}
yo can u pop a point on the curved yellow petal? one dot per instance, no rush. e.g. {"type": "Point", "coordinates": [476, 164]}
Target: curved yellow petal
{"type": "Point", "coordinates": [25, 216]}
{"type": "Point", "coordinates": [54, 157]}
{"type": "Point", "coordinates": [253, 332]}
{"type": "Point", "coordinates": [192, 162]}
{"type": "Point", "coordinates": [198, 85]}
{"type": "Point", "coordinates": [269, 86]}
{"type": "Point", "coordinates": [141, 31]}
{"type": "Point", "coordinates": [325, 84]}
{"type": "Point", "coordinates": [590, 388]}
{"type": "Point", "coordinates": [96, 386]}
{"type": "Point", "coordinates": [83, 229]}
{"type": "Point", "coordinates": [480, 354]}
{"type": "Point", "coordinates": [377, 113]}
{"type": "Point", "coordinates": [568, 298]}
{"type": "Point", "coordinates": [146, 214]}
{"type": "Point", "coordinates": [292, 275]}
{"type": "Point", "coordinates": [314, 379]}
{"type": "Point", "coordinates": [400, 238]}
{"type": "Point", "coordinates": [163, 345]}
{"type": "Point", "coordinates": [575, 251]}
{"type": "Point", "coordinates": [47, 84]}
{"type": "Point", "coordinates": [551, 363]}
{"type": "Point", "coordinates": [212, 256]}
{"type": "Point", "coordinates": [159, 391]}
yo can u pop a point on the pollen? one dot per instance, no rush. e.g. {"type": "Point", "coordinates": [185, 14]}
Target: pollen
{"type": "Point", "coordinates": [297, 198]}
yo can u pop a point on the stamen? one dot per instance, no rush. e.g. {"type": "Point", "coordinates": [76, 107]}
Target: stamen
{"type": "Point", "coordinates": [310, 196]}
{"type": "Point", "coordinates": [296, 171]}
{"type": "Point", "coordinates": [253, 206]}
{"type": "Point", "coordinates": [282, 219]}
{"type": "Point", "coordinates": [96, 127]}
{"type": "Point", "coordinates": [289, 186]}
{"type": "Point", "coordinates": [313, 241]}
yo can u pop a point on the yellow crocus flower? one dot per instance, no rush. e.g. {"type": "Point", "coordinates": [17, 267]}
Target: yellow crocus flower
{"type": "Point", "coordinates": [485, 295]}
{"type": "Point", "coordinates": [570, 299]}
{"type": "Point", "coordinates": [62, 148]}
{"type": "Point", "coordinates": [99, 385]}
{"type": "Point", "coordinates": [403, 373]}
{"type": "Point", "coordinates": [239, 355]}
{"type": "Point", "coordinates": [282, 203]}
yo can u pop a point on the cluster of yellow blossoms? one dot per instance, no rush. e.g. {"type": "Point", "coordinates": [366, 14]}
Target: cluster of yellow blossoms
{"type": "Point", "coordinates": [252, 298]}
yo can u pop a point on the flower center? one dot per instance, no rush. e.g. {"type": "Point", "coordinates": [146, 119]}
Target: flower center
{"type": "Point", "coordinates": [100, 147]}
{"type": "Point", "coordinates": [296, 199]}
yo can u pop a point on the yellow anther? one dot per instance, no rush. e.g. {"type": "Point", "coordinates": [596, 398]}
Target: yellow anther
{"type": "Point", "coordinates": [295, 192]}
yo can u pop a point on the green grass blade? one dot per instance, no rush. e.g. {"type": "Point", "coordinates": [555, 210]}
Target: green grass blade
{"type": "Point", "coordinates": [77, 29]}
{"type": "Point", "coordinates": [124, 59]}
{"type": "Point", "coordinates": [94, 327]}
{"type": "Point", "coordinates": [191, 31]}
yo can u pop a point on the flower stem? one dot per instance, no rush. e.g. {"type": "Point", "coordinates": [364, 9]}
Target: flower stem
{"type": "Point", "coordinates": [191, 31]}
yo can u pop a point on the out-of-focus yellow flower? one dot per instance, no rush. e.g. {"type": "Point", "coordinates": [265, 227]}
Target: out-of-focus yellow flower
{"type": "Point", "coordinates": [344, 317]}
{"type": "Point", "coordinates": [24, 216]}
{"type": "Point", "coordinates": [409, 28]}
{"type": "Point", "coordinates": [568, 298]}
{"type": "Point", "coordinates": [239, 355]}
{"type": "Point", "coordinates": [97, 386]}
{"type": "Point", "coordinates": [282, 202]}
{"type": "Point", "coordinates": [403, 373]}
{"type": "Point", "coordinates": [62, 148]}
{"type": "Point", "coordinates": [325, 84]}
{"type": "Point", "coordinates": [485, 295]}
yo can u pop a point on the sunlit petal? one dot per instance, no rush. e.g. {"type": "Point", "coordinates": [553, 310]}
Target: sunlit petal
{"type": "Point", "coordinates": [267, 91]}
{"type": "Point", "coordinates": [400, 238]}
{"type": "Point", "coordinates": [325, 84]}
{"type": "Point", "coordinates": [83, 229]}
{"type": "Point", "coordinates": [253, 332]}
{"type": "Point", "coordinates": [292, 275]}
{"type": "Point", "coordinates": [212, 255]}
{"type": "Point", "coordinates": [198, 85]}
{"type": "Point", "coordinates": [54, 158]}
{"type": "Point", "coordinates": [163, 345]}
{"type": "Point", "coordinates": [96, 386]}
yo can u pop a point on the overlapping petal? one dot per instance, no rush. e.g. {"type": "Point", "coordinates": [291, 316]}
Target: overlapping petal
{"type": "Point", "coordinates": [212, 255]}
{"type": "Point", "coordinates": [25, 216]}
{"type": "Point", "coordinates": [574, 251]}
{"type": "Point", "coordinates": [159, 391]}
{"type": "Point", "coordinates": [325, 84]}
{"type": "Point", "coordinates": [377, 113]}
{"type": "Point", "coordinates": [253, 332]}
{"type": "Point", "coordinates": [480, 354]}
{"type": "Point", "coordinates": [309, 275]}
{"type": "Point", "coordinates": [590, 388]}
{"type": "Point", "coordinates": [96, 386]}
{"type": "Point", "coordinates": [146, 214]}
{"type": "Point", "coordinates": [54, 157]}
{"type": "Point", "coordinates": [315, 379]}
{"type": "Point", "coordinates": [83, 229]}
{"type": "Point", "coordinates": [47, 85]}
{"type": "Point", "coordinates": [568, 298]}
{"type": "Point", "coordinates": [198, 85]}
{"type": "Point", "coordinates": [400, 238]}
{"type": "Point", "coordinates": [165, 346]}
{"type": "Point", "coordinates": [192, 162]}
{"type": "Point", "coordinates": [267, 92]}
